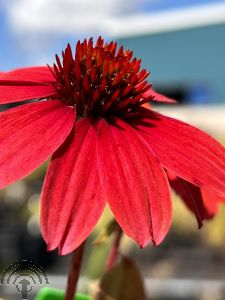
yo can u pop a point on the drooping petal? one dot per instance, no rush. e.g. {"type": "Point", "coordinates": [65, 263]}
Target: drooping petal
{"type": "Point", "coordinates": [202, 202]}
{"type": "Point", "coordinates": [29, 134]}
{"type": "Point", "coordinates": [134, 181]}
{"type": "Point", "coordinates": [72, 200]}
{"type": "Point", "coordinates": [190, 194]}
{"type": "Point", "coordinates": [183, 149]}
{"type": "Point", "coordinates": [33, 74]}
{"type": "Point", "coordinates": [158, 97]}
{"type": "Point", "coordinates": [211, 202]}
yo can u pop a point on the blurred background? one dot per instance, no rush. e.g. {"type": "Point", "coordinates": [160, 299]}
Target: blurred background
{"type": "Point", "coordinates": [182, 44]}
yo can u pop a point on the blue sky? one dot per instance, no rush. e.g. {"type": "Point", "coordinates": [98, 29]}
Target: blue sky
{"type": "Point", "coordinates": [159, 5]}
{"type": "Point", "coordinates": [31, 32]}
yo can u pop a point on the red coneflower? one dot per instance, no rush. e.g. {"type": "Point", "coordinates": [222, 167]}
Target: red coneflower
{"type": "Point", "coordinates": [105, 146]}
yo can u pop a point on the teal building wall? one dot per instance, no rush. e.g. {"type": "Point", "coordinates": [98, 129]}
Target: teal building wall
{"type": "Point", "coordinates": [191, 61]}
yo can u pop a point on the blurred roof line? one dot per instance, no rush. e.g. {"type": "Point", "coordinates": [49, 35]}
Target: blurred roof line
{"type": "Point", "coordinates": [173, 20]}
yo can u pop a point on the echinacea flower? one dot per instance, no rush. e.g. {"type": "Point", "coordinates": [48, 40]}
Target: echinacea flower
{"type": "Point", "coordinates": [87, 112]}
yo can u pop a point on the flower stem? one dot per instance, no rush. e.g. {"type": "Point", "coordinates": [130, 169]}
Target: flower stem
{"type": "Point", "coordinates": [74, 272]}
{"type": "Point", "coordinates": [115, 249]}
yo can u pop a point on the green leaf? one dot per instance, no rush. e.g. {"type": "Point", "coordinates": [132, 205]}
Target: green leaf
{"type": "Point", "coordinates": [57, 294]}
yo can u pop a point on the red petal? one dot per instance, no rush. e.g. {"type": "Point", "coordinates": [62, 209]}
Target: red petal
{"type": "Point", "coordinates": [190, 194]}
{"type": "Point", "coordinates": [135, 184]}
{"type": "Point", "coordinates": [158, 97]}
{"type": "Point", "coordinates": [9, 94]}
{"type": "Point", "coordinates": [26, 84]}
{"type": "Point", "coordinates": [29, 134]}
{"type": "Point", "coordinates": [33, 74]}
{"type": "Point", "coordinates": [183, 149]}
{"type": "Point", "coordinates": [72, 201]}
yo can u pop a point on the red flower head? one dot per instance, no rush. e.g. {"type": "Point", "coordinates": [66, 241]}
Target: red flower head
{"type": "Point", "coordinates": [87, 113]}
